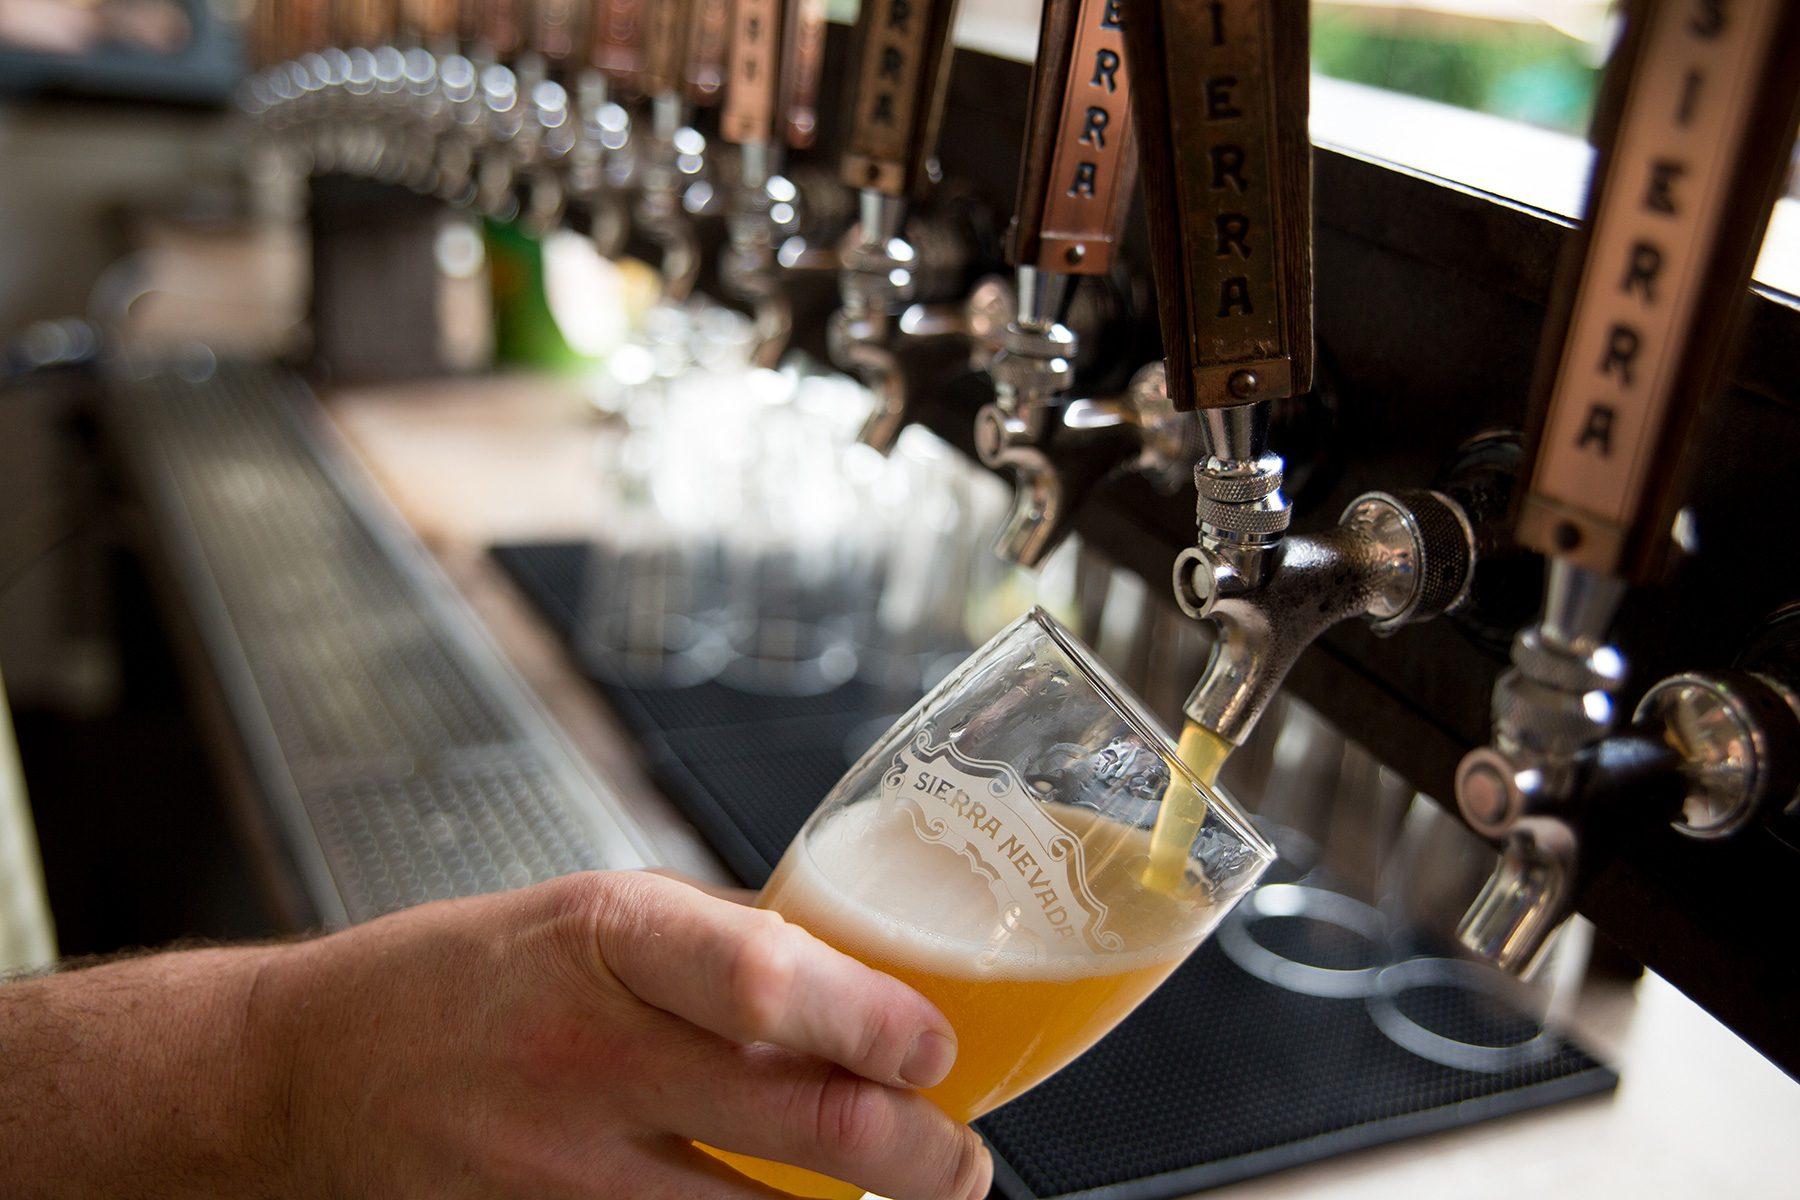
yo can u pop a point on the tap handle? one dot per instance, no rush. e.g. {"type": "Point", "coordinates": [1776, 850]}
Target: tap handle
{"type": "Point", "coordinates": [429, 23]}
{"type": "Point", "coordinates": [1694, 129]}
{"type": "Point", "coordinates": [500, 27]}
{"type": "Point", "coordinates": [616, 41]}
{"type": "Point", "coordinates": [1219, 101]}
{"type": "Point", "coordinates": [265, 38]}
{"type": "Point", "coordinates": [708, 46]}
{"type": "Point", "coordinates": [772, 85]}
{"type": "Point", "coordinates": [363, 22]}
{"type": "Point", "coordinates": [306, 26]}
{"type": "Point", "coordinates": [903, 68]}
{"type": "Point", "coordinates": [1074, 180]}
{"type": "Point", "coordinates": [556, 29]}
{"type": "Point", "coordinates": [667, 27]}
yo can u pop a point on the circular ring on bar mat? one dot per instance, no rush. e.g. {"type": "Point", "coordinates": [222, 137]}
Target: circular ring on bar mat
{"type": "Point", "coordinates": [1483, 1002]}
{"type": "Point", "coordinates": [1295, 902]}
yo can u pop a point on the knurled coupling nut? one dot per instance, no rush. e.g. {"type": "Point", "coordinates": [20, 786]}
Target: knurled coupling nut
{"type": "Point", "coordinates": [1251, 520]}
{"type": "Point", "coordinates": [1023, 341]}
{"type": "Point", "coordinates": [1547, 720]}
{"type": "Point", "coordinates": [1030, 376]}
{"type": "Point", "coordinates": [1239, 487]}
{"type": "Point", "coordinates": [1244, 503]}
{"type": "Point", "coordinates": [1554, 667]}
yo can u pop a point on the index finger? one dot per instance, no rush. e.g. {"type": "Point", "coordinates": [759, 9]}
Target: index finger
{"type": "Point", "coordinates": [749, 975]}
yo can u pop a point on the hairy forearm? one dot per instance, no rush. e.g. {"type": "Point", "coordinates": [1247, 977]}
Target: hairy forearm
{"type": "Point", "coordinates": [139, 1078]}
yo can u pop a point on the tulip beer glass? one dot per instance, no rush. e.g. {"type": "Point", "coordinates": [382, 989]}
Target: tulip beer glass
{"type": "Point", "coordinates": [992, 850]}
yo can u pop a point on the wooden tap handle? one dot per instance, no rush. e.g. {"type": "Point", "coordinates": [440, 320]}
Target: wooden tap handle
{"type": "Point", "coordinates": [902, 60]}
{"type": "Point", "coordinates": [1219, 102]}
{"type": "Point", "coordinates": [1694, 131]}
{"type": "Point", "coordinates": [1080, 162]}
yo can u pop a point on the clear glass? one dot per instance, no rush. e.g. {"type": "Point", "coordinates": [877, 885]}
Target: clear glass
{"type": "Point", "coordinates": [992, 851]}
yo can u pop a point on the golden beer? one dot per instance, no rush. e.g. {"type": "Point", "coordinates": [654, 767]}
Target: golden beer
{"type": "Point", "coordinates": [862, 882]}
{"type": "Point", "coordinates": [1184, 807]}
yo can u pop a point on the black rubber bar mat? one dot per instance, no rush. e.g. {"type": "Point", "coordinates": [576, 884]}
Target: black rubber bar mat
{"type": "Point", "coordinates": [1218, 1077]}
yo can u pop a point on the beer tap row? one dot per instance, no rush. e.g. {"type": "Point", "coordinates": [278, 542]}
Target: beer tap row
{"type": "Point", "coordinates": [1198, 113]}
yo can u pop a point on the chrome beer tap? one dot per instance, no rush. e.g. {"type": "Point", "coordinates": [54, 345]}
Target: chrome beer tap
{"type": "Point", "coordinates": [602, 162]}
{"type": "Point", "coordinates": [1073, 196]}
{"type": "Point", "coordinates": [1219, 94]}
{"type": "Point", "coordinates": [365, 81]}
{"type": "Point", "coordinates": [771, 91]}
{"type": "Point", "coordinates": [507, 68]}
{"type": "Point", "coordinates": [671, 156]}
{"type": "Point", "coordinates": [546, 138]}
{"type": "Point", "coordinates": [427, 40]}
{"type": "Point", "coordinates": [903, 68]}
{"type": "Point", "coordinates": [1695, 126]}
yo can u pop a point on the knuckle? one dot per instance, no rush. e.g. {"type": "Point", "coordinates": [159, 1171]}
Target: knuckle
{"type": "Point", "coordinates": [579, 903]}
{"type": "Point", "coordinates": [587, 918]}
{"type": "Point", "coordinates": [966, 1166]}
{"type": "Point", "coordinates": [761, 976]}
{"type": "Point", "coordinates": [882, 1042]}
{"type": "Point", "coordinates": [853, 1118]}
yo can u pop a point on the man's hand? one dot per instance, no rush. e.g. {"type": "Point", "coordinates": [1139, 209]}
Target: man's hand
{"type": "Point", "coordinates": [567, 1040]}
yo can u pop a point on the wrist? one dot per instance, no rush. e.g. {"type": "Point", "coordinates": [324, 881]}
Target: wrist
{"type": "Point", "coordinates": [139, 1077]}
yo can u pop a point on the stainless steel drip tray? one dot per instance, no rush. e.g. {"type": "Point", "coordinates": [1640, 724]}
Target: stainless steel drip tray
{"type": "Point", "coordinates": [403, 759]}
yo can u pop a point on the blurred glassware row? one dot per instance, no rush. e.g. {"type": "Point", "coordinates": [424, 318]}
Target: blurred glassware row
{"type": "Point", "coordinates": [745, 537]}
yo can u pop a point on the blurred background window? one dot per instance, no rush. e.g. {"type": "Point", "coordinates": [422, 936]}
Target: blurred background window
{"type": "Point", "coordinates": [1496, 95]}
{"type": "Point", "coordinates": [1537, 63]}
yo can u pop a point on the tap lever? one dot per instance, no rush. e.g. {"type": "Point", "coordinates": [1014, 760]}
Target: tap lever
{"type": "Point", "coordinates": [1219, 100]}
{"type": "Point", "coordinates": [708, 47]}
{"type": "Point", "coordinates": [772, 89]}
{"type": "Point", "coordinates": [306, 27]}
{"type": "Point", "coordinates": [903, 68]}
{"type": "Point", "coordinates": [667, 27]}
{"type": "Point", "coordinates": [556, 30]}
{"type": "Point", "coordinates": [500, 28]}
{"type": "Point", "coordinates": [363, 23]}
{"type": "Point", "coordinates": [1080, 158]}
{"type": "Point", "coordinates": [615, 45]}
{"type": "Point", "coordinates": [1695, 128]}
{"type": "Point", "coordinates": [430, 24]}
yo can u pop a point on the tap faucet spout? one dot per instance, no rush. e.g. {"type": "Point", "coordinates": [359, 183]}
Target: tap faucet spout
{"type": "Point", "coordinates": [877, 283]}
{"type": "Point", "coordinates": [1393, 558]}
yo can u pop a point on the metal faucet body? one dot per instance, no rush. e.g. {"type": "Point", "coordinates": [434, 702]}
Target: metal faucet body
{"type": "Point", "coordinates": [600, 165]}
{"type": "Point", "coordinates": [1527, 790]}
{"type": "Point", "coordinates": [1705, 752]}
{"type": "Point", "coordinates": [875, 284]}
{"type": "Point", "coordinates": [674, 154]}
{"type": "Point", "coordinates": [1058, 448]}
{"type": "Point", "coordinates": [763, 215]}
{"type": "Point", "coordinates": [1392, 558]}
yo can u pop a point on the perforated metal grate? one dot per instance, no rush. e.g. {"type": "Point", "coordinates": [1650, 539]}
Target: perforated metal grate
{"type": "Point", "coordinates": [1218, 1077]}
{"type": "Point", "coordinates": [405, 759]}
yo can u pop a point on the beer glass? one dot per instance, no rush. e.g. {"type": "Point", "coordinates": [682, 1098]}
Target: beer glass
{"type": "Point", "coordinates": [994, 850]}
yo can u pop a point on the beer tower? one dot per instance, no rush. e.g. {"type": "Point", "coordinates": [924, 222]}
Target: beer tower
{"type": "Point", "coordinates": [902, 56]}
{"type": "Point", "coordinates": [1219, 97]}
{"type": "Point", "coordinates": [1074, 194]}
{"type": "Point", "coordinates": [771, 94]}
{"type": "Point", "coordinates": [1694, 133]}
